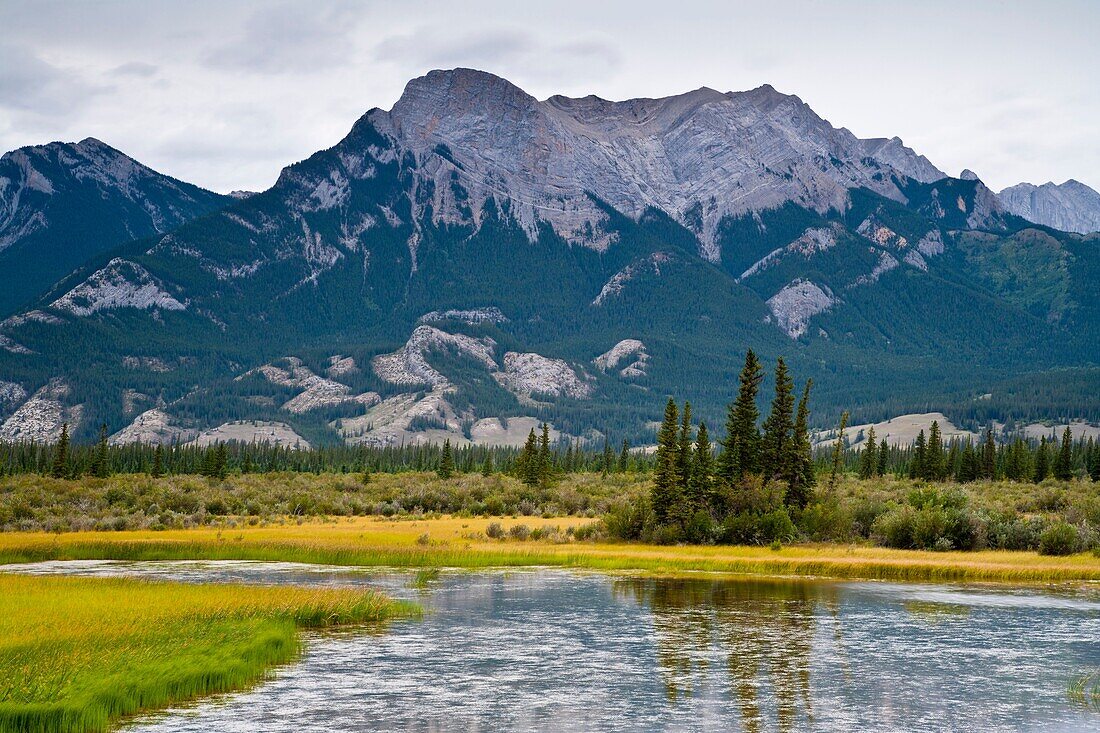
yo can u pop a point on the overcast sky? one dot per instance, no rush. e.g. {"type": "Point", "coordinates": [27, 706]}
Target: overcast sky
{"type": "Point", "coordinates": [224, 93]}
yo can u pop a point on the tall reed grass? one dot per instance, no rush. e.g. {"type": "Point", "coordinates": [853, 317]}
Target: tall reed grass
{"type": "Point", "coordinates": [76, 654]}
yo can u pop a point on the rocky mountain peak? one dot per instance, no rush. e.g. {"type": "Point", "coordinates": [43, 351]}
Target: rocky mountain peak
{"type": "Point", "coordinates": [1071, 206]}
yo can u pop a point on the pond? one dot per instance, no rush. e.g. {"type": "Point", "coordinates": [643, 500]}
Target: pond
{"type": "Point", "coordinates": [558, 650]}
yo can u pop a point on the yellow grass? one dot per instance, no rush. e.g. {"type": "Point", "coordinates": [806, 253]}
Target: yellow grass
{"type": "Point", "coordinates": [78, 653]}
{"type": "Point", "coordinates": [461, 542]}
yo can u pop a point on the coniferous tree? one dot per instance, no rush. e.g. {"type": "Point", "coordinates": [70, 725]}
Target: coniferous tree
{"type": "Point", "coordinates": [918, 462]}
{"type": "Point", "coordinates": [1017, 461]}
{"type": "Point", "coordinates": [702, 472]}
{"type": "Point", "coordinates": [1063, 464]}
{"type": "Point", "coordinates": [624, 457]}
{"type": "Point", "coordinates": [838, 450]}
{"type": "Point", "coordinates": [775, 446]}
{"type": "Point", "coordinates": [60, 468]}
{"type": "Point", "coordinates": [221, 461]}
{"type": "Point", "coordinates": [683, 453]}
{"type": "Point", "coordinates": [741, 445]}
{"type": "Point", "coordinates": [100, 465]}
{"type": "Point", "coordinates": [666, 479]}
{"type": "Point", "coordinates": [883, 452]}
{"type": "Point", "coordinates": [158, 461]}
{"type": "Point", "coordinates": [1094, 460]}
{"type": "Point", "coordinates": [1042, 461]}
{"type": "Point", "coordinates": [608, 460]}
{"type": "Point", "coordinates": [989, 456]}
{"type": "Point", "coordinates": [545, 465]}
{"type": "Point", "coordinates": [969, 465]}
{"type": "Point", "coordinates": [934, 460]}
{"type": "Point", "coordinates": [868, 462]}
{"type": "Point", "coordinates": [446, 467]}
{"type": "Point", "coordinates": [487, 465]}
{"type": "Point", "coordinates": [800, 469]}
{"type": "Point", "coordinates": [527, 464]}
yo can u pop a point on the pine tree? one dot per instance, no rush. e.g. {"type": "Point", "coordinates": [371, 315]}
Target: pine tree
{"type": "Point", "coordinates": [838, 450]}
{"type": "Point", "coordinates": [100, 466]}
{"type": "Point", "coordinates": [778, 428]}
{"type": "Point", "coordinates": [1017, 461]}
{"type": "Point", "coordinates": [221, 461]}
{"type": "Point", "coordinates": [1094, 461]}
{"type": "Point", "coordinates": [624, 457]}
{"type": "Point", "coordinates": [883, 452]}
{"type": "Point", "coordinates": [683, 453]}
{"type": "Point", "coordinates": [608, 458]}
{"type": "Point", "coordinates": [969, 465]}
{"type": "Point", "coordinates": [446, 467]}
{"type": "Point", "coordinates": [666, 480]}
{"type": "Point", "coordinates": [800, 469]}
{"type": "Point", "coordinates": [1063, 464]}
{"type": "Point", "coordinates": [868, 462]}
{"type": "Point", "coordinates": [989, 456]}
{"type": "Point", "coordinates": [934, 462]}
{"type": "Point", "coordinates": [158, 461]}
{"type": "Point", "coordinates": [487, 466]}
{"type": "Point", "coordinates": [526, 467]}
{"type": "Point", "coordinates": [741, 445]}
{"type": "Point", "coordinates": [1042, 461]}
{"type": "Point", "coordinates": [545, 464]}
{"type": "Point", "coordinates": [60, 468]}
{"type": "Point", "coordinates": [918, 461]}
{"type": "Point", "coordinates": [702, 472]}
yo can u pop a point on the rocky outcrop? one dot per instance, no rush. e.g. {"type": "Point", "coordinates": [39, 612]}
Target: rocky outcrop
{"type": "Point", "coordinates": [470, 315]}
{"type": "Point", "coordinates": [810, 242]}
{"type": "Point", "coordinates": [886, 262]}
{"type": "Point", "coordinates": [408, 365]}
{"type": "Point", "coordinates": [632, 352]}
{"type": "Point", "coordinates": [121, 284]}
{"type": "Point", "coordinates": [315, 391]}
{"type": "Point", "coordinates": [277, 434]}
{"type": "Point", "coordinates": [152, 427]}
{"type": "Point", "coordinates": [881, 234]}
{"type": "Point", "coordinates": [39, 419]}
{"type": "Point", "coordinates": [529, 375]}
{"type": "Point", "coordinates": [796, 303]}
{"type": "Point", "coordinates": [1071, 206]}
{"type": "Point", "coordinates": [615, 285]}
{"type": "Point", "coordinates": [893, 152]}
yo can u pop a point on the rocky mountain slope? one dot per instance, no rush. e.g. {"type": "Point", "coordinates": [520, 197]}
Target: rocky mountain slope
{"type": "Point", "coordinates": [476, 260]}
{"type": "Point", "coordinates": [65, 202]}
{"type": "Point", "coordinates": [1071, 206]}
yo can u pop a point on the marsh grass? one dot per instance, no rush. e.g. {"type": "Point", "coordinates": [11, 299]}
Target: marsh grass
{"type": "Point", "coordinates": [76, 654]}
{"type": "Point", "coordinates": [1085, 690]}
{"type": "Point", "coordinates": [463, 543]}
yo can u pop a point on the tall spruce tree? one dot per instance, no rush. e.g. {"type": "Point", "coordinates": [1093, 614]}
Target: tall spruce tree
{"type": "Point", "coordinates": [100, 466]}
{"type": "Point", "coordinates": [1042, 461]}
{"type": "Point", "coordinates": [665, 494]}
{"type": "Point", "coordinates": [883, 453]}
{"type": "Point", "coordinates": [624, 457]}
{"type": "Point", "coordinates": [934, 461]}
{"type": "Point", "coordinates": [1094, 461]}
{"type": "Point", "coordinates": [1063, 464]}
{"type": "Point", "coordinates": [800, 469]}
{"type": "Point", "coordinates": [545, 461]}
{"type": "Point", "coordinates": [60, 467]}
{"type": "Point", "coordinates": [608, 461]}
{"type": "Point", "coordinates": [446, 467]}
{"type": "Point", "coordinates": [527, 464]}
{"type": "Point", "coordinates": [741, 444]}
{"type": "Point", "coordinates": [775, 446]}
{"type": "Point", "coordinates": [158, 461]}
{"type": "Point", "coordinates": [683, 455]}
{"type": "Point", "coordinates": [868, 461]}
{"type": "Point", "coordinates": [699, 492]}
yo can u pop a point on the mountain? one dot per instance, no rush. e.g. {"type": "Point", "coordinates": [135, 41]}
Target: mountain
{"type": "Point", "coordinates": [65, 202]}
{"type": "Point", "coordinates": [1070, 207]}
{"type": "Point", "coordinates": [475, 260]}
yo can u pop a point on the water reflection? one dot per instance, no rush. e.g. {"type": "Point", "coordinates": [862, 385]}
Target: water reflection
{"type": "Point", "coordinates": [763, 629]}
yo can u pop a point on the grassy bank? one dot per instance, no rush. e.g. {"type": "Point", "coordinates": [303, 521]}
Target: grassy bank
{"type": "Point", "coordinates": [465, 543]}
{"type": "Point", "coordinates": [76, 654]}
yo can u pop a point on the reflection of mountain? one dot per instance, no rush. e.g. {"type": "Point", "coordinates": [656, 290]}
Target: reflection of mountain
{"type": "Point", "coordinates": [764, 629]}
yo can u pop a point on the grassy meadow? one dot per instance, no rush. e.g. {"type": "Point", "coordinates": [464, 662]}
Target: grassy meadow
{"type": "Point", "coordinates": [76, 654]}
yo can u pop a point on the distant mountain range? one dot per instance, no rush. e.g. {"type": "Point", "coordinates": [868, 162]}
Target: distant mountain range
{"type": "Point", "coordinates": [1070, 207]}
{"type": "Point", "coordinates": [63, 203]}
{"type": "Point", "coordinates": [475, 260]}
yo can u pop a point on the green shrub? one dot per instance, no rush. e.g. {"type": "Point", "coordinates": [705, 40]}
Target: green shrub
{"type": "Point", "coordinates": [826, 522]}
{"type": "Point", "coordinates": [495, 531]}
{"type": "Point", "coordinates": [1060, 538]}
{"type": "Point", "coordinates": [700, 529]}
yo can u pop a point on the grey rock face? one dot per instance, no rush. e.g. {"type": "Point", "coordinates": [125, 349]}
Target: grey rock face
{"type": "Point", "coordinates": [1071, 206]}
{"type": "Point", "coordinates": [121, 284]}
{"type": "Point", "coordinates": [699, 156]}
{"type": "Point", "coordinates": [796, 303]}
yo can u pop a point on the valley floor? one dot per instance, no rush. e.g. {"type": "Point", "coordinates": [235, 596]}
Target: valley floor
{"type": "Point", "coordinates": [464, 543]}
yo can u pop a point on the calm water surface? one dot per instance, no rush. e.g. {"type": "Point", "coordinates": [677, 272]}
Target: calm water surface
{"type": "Point", "coordinates": [563, 651]}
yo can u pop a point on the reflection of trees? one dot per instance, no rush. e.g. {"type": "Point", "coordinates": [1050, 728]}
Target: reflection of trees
{"type": "Point", "coordinates": [764, 628]}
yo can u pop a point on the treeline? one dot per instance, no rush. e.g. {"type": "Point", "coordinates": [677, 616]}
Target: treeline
{"type": "Point", "coordinates": [964, 461]}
